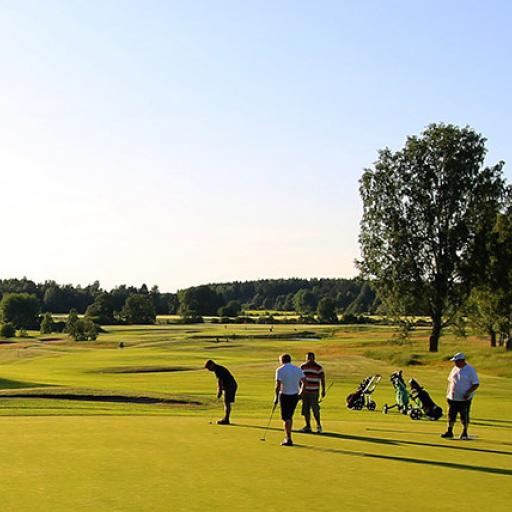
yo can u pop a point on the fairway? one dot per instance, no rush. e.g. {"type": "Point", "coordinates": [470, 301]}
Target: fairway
{"type": "Point", "coordinates": [90, 426]}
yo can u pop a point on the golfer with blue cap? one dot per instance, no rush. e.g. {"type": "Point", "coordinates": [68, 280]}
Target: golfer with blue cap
{"type": "Point", "coordinates": [462, 383]}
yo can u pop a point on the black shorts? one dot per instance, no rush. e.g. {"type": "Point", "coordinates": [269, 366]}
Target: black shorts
{"type": "Point", "coordinates": [458, 407]}
{"type": "Point", "coordinates": [288, 405]}
{"type": "Point", "coordinates": [229, 394]}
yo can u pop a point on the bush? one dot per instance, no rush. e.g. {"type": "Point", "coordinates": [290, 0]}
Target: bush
{"type": "Point", "coordinates": [83, 329]}
{"type": "Point", "coordinates": [244, 320]}
{"type": "Point", "coordinates": [46, 324]}
{"type": "Point", "coordinates": [231, 309]}
{"type": "Point", "coordinates": [306, 319]}
{"type": "Point", "coordinates": [191, 319]}
{"type": "Point", "coordinates": [59, 326]}
{"type": "Point", "coordinates": [349, 319]}
{"type": "Point", "coordinates": [7, 330]}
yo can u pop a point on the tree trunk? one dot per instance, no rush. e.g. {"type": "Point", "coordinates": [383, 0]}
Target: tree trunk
{"type": "Point", "coordinates": [435, 333]}
{"type": "Point", "coordinates": [492, 335]}
{"type": "Point", "coordinates": [508, 344]}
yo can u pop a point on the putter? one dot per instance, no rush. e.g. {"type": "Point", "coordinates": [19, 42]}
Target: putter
{"type": "Point", "coordinates": [213, 412]}
{"type": "Point", "coordinates": [269, 421]}
{"type": "Point", "coordinates": [326, 391]}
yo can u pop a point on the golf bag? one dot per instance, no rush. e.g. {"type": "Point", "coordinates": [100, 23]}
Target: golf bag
{"type": "Point", "coordinates": [430, 409]}
{"type": "Point", "coordinates": [402, 398]}
{"type": "Point", "coordinates": [361, 398]}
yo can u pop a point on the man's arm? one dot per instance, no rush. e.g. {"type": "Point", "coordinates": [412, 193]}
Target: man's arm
{"type": "Point", "coordinates": [219, 388]}
{"type": "Point", "coordinates": [470, 390]}
{"type": "Point", "coordinates": [302, 385]}
{"type": "Point", "coordinates": [322, 381]}
{"type": "Point", "coordinates": [278, 389]}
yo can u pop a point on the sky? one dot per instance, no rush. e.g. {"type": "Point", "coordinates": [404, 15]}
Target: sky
{"type": "Point", "coordinates": [181, 143]}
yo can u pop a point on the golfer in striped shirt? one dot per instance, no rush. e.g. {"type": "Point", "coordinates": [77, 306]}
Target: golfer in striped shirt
{"type": "Point", "coordinates": [315, 378]}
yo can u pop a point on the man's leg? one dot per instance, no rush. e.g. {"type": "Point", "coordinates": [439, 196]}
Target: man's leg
{"type": "Point", "coordinates": [464, 419]}
{"type": "Point", "coordinates": [227, 410]}
{"type": "Point", "coordinates": [316, 413]}
{"type": "Point", "coordinates": [229, 398]}
{"type": "Point", "coordinates": [288, 404]}
{"type": "Point", "coordinates": [306, 413]}
{"type": "Point", "coordinates": [452, 416]}
{"type": "Point", "coordinates": [288, 429]}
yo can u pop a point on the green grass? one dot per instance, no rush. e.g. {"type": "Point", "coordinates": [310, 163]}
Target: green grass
{"type": "Point", "coordinates": [61, 451]}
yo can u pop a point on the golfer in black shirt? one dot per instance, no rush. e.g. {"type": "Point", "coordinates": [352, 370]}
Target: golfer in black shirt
{"type": "Point", "coordinates": [225, 382]}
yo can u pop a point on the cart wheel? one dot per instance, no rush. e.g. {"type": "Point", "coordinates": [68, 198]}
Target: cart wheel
{"type": "Point", "coordinates": [371, 405]}
{"type": "Point", "coordinates": [415, 414]}
{"type": "Point", "coordinates": [385, 409]}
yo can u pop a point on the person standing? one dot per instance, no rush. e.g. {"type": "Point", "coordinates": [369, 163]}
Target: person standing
{"type": "Point", "coordinates": [225, 383]}
{"type": "Point", "coordinates": [462, 383]}
{"type": "Point", "coordinates": [289, 386]}
{"type": "Point", "coordinates": [315, 377]}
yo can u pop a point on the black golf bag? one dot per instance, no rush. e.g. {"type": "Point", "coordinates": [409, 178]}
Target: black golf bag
{"type": "Point", "coordinates": [361, 397]}
{"type": "Point", "coordinates": [430, 409]}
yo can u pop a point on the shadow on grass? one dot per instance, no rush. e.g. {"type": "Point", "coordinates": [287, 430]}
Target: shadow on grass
{"type": "Point", "coordinates": [396, 442]}
{"type": "Point", "coordinates": [18, 384]}
{"type": "Point", "coordinates": [492, 421]}
{"type": "Point", "coordinates": [410, 460]}
{"type": "Point", "coordinates": [503, 443]}
{"type": "Point", "coordinates": [494, 425]}
{"type": "Point", "coordinates": [330, 434]}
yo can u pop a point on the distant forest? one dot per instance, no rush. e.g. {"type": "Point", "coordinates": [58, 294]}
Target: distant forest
{"type": "Point", "coordinates": [350, 296]}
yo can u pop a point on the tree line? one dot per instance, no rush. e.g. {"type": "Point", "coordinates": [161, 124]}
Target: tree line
{"type": "Point", "coordinates": [25, 304]}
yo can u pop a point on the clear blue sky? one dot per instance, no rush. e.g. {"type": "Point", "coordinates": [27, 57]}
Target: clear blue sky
{"type": "Point", "coordinates": [178, 143]}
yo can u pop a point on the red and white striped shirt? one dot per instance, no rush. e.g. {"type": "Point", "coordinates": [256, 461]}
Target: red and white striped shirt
{"type": "Point", "coordinates": [313, 373]}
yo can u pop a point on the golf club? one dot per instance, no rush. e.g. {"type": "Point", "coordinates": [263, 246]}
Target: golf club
{"type": "Point", "coordinates": [327, 390]}
{"type": "Point", "coordinates": [213, 412]}
{"type": "Point", "coordinates": [269, 421]}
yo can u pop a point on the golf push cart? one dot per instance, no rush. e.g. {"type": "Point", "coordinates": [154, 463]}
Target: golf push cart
{"type": "Point", "coordinates": [416, 404]}
{"type": "Point", "coordinates": [361, 397]}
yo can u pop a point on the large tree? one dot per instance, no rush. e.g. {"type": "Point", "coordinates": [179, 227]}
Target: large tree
{"type": "Point", "coordinates": [20, 309]}
{"type": "Point", "coordinates": [428, 209]}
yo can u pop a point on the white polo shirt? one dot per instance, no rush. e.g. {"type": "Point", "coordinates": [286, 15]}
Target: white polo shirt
{"type": "Point", "coordinates": [459, 382]}
{"type": "Point", "coordinates": [289, 376]}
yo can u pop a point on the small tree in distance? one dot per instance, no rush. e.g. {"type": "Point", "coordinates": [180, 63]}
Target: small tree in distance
{"type": "Point", "coordinates": [71, 321]}
{"type": "Point", "coordinates": [46, 324]}
{"type": "Point", "coordinates": [327, 311]}
{"type": "Point", "coordinates": [7, 330]}
{"type": "Point", "coordinates": [231, 309]}
{"type": "Point", "coordinates": [138, 309]}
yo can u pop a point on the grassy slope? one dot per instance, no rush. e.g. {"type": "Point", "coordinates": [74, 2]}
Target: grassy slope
{"type": "Point", "coordinates": [62, 455]}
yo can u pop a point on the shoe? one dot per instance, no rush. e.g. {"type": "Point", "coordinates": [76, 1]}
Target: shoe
{"type": "Point", "coordinates": [305, 430]}
{"type": "Point", "coordinates": [286, 442]}
{"type": "Point", "coordinates": [464, 436]}
{"type": "Point", "coordinates": [223, 422]}
{"type": "Point", "coordinates": [319, 429]}
{"type": "Point", "coordinates": [447, 435]}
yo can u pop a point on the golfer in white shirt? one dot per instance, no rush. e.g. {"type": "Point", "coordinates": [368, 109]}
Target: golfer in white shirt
{"type": "Point", "coordinates": [289, 386]}
{"type": "Point", "coordinates": [462, 383]}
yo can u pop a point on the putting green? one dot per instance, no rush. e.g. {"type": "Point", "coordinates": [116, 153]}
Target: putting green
{"type": "Point", "coordinates": [63, 454]}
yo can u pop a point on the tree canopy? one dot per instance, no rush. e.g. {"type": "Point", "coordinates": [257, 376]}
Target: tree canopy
{"type": "Point", "coordinates": [428, 209]}
{"type": "Point", "coordinates": [20, 309]}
